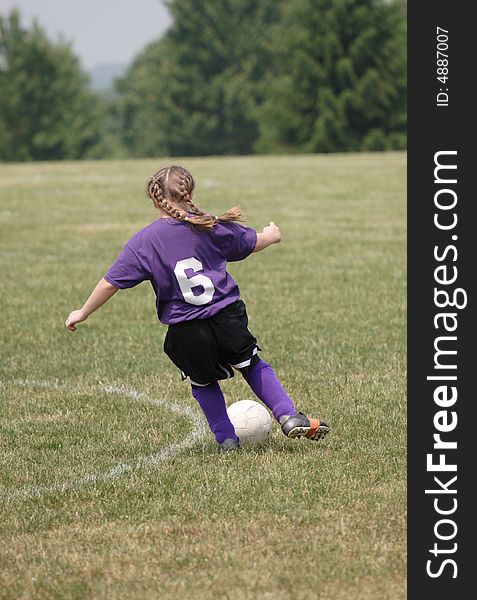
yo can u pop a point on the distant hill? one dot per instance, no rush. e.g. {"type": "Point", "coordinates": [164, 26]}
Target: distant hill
{"type": "Point", "coordinates": [103, 75]}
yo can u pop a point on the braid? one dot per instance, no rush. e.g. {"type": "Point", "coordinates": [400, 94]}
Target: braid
{"type": "Point", "coordinates": [186, 185]}
{"type": "Point", "coordinates": [160, 201]}
{"type": "Point", "coordinates": [171, 190]}
{"type": "Point", "coordinates": [176, 213]}
{"type": "Point", "coordinates": [194, 208]}
{"type": "Point", "coordinates": [156, 191]}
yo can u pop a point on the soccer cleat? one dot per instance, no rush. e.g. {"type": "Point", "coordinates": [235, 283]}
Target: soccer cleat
{"type": "Point", "coordinates": [229, 445]}
{"type": "Point", "coordinates": [299, 425]}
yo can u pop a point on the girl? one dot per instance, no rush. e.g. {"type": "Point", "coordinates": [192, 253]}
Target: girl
{"type": "Point", "coordinates": [184, 255]}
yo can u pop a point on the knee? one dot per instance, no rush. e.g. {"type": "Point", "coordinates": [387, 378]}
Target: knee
{"type": "Point", "coordinates": [256, 364]}
{"type": "Point", "coordinates": [197, 389]}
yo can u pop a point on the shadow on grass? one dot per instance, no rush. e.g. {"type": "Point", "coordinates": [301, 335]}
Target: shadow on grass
{"type": "Point", "coordinates": [288, 447]}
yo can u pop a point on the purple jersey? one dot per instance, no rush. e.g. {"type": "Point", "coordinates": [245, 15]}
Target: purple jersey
{"type": "Point", "coordinates": [186, 268]}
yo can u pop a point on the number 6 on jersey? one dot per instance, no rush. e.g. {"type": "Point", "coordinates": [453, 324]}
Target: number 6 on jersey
{"type": "Point", "coordinates": [188, 283]}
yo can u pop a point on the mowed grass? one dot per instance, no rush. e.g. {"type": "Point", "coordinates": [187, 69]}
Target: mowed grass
{"type": "Point", "coordinates": [97, 497]}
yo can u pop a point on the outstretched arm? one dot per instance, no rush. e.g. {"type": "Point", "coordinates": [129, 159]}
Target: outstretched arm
{"type": "Point", "coordinates": [270, 235]}
{"type": "Point", "coordinates": [101, 294]}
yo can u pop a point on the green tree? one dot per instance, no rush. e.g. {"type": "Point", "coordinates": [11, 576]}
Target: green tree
{"type": "Point", "coordinates": [196, 91]}
{"type": "Point", "coordinates": [46, 109]}
{"type": "Point", "coordinates": [140, 102]}
{"type": "Point", "coordinates": [338, 82]}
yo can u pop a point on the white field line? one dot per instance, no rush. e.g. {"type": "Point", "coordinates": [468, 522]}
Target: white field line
{"type": "Point", "coordinates": [167, 453]}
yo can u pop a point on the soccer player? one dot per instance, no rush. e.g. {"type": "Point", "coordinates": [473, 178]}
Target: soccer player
{"type": "Point", "coordinates": [184, 255]}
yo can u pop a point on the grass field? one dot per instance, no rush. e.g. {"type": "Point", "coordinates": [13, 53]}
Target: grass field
{"type": "Point", "coordinates": [110, 484]}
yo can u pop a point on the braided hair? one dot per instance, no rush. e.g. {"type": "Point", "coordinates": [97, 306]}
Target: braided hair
{"type": "Point", "coordinates": [171, 190]}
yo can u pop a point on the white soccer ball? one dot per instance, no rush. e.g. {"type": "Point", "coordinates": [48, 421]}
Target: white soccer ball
{"type": "Point", "coordinates": [252, 421]}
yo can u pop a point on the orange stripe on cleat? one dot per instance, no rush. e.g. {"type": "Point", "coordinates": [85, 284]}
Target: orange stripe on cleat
{"type": "Point", "coordinates": [314, 424]}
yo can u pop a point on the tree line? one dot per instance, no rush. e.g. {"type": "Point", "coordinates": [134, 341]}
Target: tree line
{"type": "Point", "coordinates": [228, 77]}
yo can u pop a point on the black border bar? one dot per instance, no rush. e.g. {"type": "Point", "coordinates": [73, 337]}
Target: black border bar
{"type": "Point", "coordinates": [442, 259]}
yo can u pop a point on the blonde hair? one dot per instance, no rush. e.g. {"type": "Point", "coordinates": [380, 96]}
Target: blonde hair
{"type": "Point", "coordinates": [176, 185]}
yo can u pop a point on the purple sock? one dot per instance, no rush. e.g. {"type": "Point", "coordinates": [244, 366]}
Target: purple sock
{"type": "Point", "coordinates": [264, 383]}
{"type": "Point", "coordinates": [212, 402]}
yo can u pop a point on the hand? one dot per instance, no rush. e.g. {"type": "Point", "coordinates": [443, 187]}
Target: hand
{"type": "Point", "coordinates": [77, 316]}
{"type": "Point", "coordinates": [273, 233]}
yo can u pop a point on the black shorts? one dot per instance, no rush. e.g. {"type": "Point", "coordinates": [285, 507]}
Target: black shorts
{"type": "Point", "coordinates": [205, 350]}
